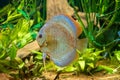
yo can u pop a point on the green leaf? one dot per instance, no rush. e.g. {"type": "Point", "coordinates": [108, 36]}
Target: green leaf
{"type": "Point", "coordinates": [9, 63]}
{"type": "Point", "coordinates": [106, 68]}
{"type": "Point", "coordinates": [117, 0]}
{"type": "Point", "coordinates": [69, 69]}
{"type": "Point", "coordinates": [23, 13]}
{"type": "Point", "coordinates": [12, 52]}
{"type": "Point", "coordinates": [82, 64]}
{"type": "Point", "coordinates": [39, 54]}
{"type": "Point", "coordinates": [28, 37]}
{"type": "Point", "coordinates": [117, 54]}
{"type": "Point", "coordinates": [12, 18]}
{"type": "Point", "coordinates": [89, 50]}
{"type": "Point", "coordinates": [2, 54]}
{"type": "Point", "coordinates": [33, 34]}
{"type": "Point", "coordinates": [36, 52]}
{"type": "Point", "coordinates": [21, 4]}
{"type": "Point", "coordinates": [5, 9]}
{"type": "Point", "coordinates": [39, 57]}
{"type": "Point", "coordinates": [91, 58]}
{"type": "Point", "coordinates": [21, 65]}
{"type": "Point", "coordinates": [3, 69]}
{"type": "Point", "coordinates": [21, 43]}
{"type": "Point", "coordinates": [118, 45]}
{"type": "Point", "coordinates": [91, 65]}
{"type": "Point", "coordinates": [97, 53]}
{"type": "Point", "coordinates": [1, 46]}
{"type": "Point", "coordinates": [23, 26]}
{"type": "Point", "coordinates": [37, 26]}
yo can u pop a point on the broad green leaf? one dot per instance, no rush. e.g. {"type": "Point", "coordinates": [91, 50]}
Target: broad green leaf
{"type": "Point", "coordinates": [59, 68]}
{"type": "Point", "coordinates": [82, 64]}
{"type": "Point", "coordinates": [106, 68]}
{"type": "Point", "coordinates": [117, 54]}
{"type": "Point", "coordinates": [21, 65]}
{"type": "Point", "coordinates": [69, 69]}
{"type": "Point", "coordinates": [89, 50]}
{"type": "Point", "coordinates": [97, 53]}
{"type": "Point", "coordinates": [36, 52]}
{"type": "Point", "coordinates": [39, 57]}
{"type": "Point", "coordinates": [91, 65]}
{"type": "Point", "coordinates": [91, 58]}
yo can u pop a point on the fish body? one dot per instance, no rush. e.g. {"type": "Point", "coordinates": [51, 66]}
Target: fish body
{"type": "Point", "coordinates": [57, 38]}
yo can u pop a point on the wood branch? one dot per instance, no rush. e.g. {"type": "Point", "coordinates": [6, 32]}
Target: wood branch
{"type": "Point", "coordinates": [26, 50]}
{"type": "Point", "coordinates": [56, 7]}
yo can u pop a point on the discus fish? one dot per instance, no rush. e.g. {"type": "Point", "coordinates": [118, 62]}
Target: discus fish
{"type": "Point", "coordinates": [57, 39]}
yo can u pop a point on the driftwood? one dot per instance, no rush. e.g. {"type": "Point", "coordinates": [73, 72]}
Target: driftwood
{"type": "Point", "coordinates": [56, 7]}
{"type": "Point", "coordinates": [26, 50]}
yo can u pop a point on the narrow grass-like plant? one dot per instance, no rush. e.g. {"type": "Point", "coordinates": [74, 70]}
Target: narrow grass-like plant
{"type": "Point", "coordinates": [101, 16]}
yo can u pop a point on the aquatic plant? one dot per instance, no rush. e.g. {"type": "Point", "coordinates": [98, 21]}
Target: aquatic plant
{"type": "Point", "coordinates": [21, 20]}
{"type": "Point", "coordinates": [101, 30]}
{"type": "Point", "coordinates": [19, 23]}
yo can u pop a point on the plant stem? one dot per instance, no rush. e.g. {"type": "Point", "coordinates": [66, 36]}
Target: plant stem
{"type": "Point", "coordinates": [111, 21]}
{"type": "Point", "coordinates": [81, 23]}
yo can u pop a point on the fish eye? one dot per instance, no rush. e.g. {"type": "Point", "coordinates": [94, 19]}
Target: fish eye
{"type": "Point", "coordinates": [40, 36]}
